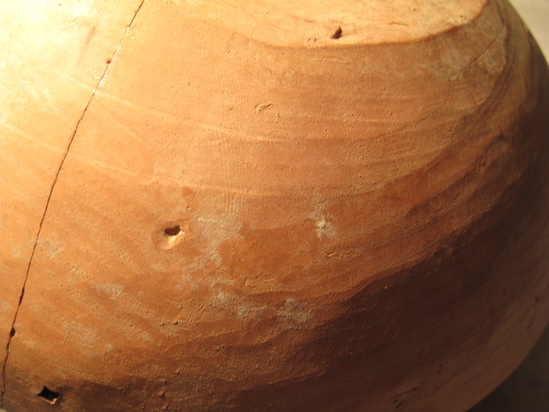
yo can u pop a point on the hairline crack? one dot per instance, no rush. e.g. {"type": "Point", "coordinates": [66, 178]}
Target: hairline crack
{"type": "Point", "coordinates": [71, 140]}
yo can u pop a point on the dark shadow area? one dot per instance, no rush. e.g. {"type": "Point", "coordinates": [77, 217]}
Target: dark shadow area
{"type": "Point", "coordinates": [527, 389]}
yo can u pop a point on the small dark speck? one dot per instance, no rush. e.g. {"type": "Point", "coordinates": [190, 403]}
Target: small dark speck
{"type": "Point", "coordinates": [337, 34]}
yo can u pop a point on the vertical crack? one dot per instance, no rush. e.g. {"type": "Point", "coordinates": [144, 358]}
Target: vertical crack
{"type": "Point", "coordinates": [94, 91]}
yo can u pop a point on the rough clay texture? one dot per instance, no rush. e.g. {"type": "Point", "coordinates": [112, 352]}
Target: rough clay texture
{"type": "Point", "coordinates": [200, 213]}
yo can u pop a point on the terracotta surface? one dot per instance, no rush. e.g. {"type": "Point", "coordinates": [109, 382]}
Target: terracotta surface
{"type": "Point", "coordinates": [527, 389]}
{"type": "Point", "coordinates": [240, 206]}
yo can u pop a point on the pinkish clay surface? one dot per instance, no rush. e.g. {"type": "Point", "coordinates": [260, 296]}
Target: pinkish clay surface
{"type": "Point", "coordinates": [251, 206]}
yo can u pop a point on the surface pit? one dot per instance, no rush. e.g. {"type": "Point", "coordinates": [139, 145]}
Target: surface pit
{"type": "Point", "coordinates": [172, 231]}
{"type": "Point", "coordinates": [48, 395]}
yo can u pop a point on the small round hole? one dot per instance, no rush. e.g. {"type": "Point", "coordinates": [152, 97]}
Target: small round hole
{"type": "Point", "coordinates": [170, 234]}
{"type": "Point", "coordinates": [172, 231]}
